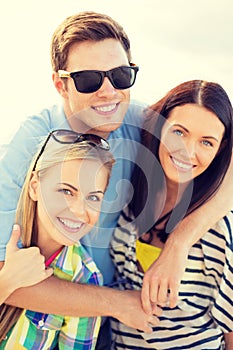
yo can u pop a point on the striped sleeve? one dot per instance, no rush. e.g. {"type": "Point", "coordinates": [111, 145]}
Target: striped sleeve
{"type": "Point", "coordinates": [222, 310]}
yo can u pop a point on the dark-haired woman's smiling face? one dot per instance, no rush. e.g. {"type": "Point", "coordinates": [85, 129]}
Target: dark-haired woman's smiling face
{"type": "Point", "coordinates": [190, 140]}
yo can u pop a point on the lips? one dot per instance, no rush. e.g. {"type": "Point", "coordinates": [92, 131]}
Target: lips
{"type": "Point", "coordinates": [181, 165]}
{"type": "Point", "coordinates": [106, 109]}
{"type": "Point", "coordinates": [71, 225]}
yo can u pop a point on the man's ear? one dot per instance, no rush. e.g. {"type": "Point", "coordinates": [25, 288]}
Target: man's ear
{"type": "Point", "coordinates": [33, 187]}
{"type": "Point", "coordinates": [59, 85]}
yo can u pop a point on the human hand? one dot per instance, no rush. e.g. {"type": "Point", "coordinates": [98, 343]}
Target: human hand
{"type": "Point", "coordinates": [24, 267]}
{"type": "Point", "coordinates": [164, 275]}
{"type": "Point", "coordinates": [131, 313]}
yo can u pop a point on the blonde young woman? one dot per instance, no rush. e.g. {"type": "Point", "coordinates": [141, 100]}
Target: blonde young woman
{"type": "Point", "coordinates": [60, 202]}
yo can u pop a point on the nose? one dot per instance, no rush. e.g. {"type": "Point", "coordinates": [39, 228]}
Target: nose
{"type": "Point", "coordinates": [190, 147]}
{"type": "Point", "coordinates": [78, 208]}
{"type": "Point", "coordinates": [107, 89]}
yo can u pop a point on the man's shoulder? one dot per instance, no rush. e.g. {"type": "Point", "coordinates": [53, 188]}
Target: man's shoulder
{"type": "Point", "coordinates": [135, 113]}
{"type": "Point", "coordinates": [32, 131]}
{"type": "Point", "coordinates": [52, 117]}
{"type": "Point", "coordinates": [132, 123]}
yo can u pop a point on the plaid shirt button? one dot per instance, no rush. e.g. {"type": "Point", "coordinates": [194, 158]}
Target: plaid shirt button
{"type": "Point", "coordinates": [41, 323]}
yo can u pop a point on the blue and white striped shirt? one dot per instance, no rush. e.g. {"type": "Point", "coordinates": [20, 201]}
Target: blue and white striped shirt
{"type": "Point", "coordinates": [205, 307]}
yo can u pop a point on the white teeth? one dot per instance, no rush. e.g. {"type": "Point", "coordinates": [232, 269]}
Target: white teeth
{"type": "Point", "coordinates": [106, 108]}
{"type": "Point", "coordinates": [71, 224]}
{"type": "Point", "coordinates": [182, 165]}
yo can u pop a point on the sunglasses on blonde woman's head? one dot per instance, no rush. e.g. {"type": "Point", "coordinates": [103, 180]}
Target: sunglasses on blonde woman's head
{"type": "Point", "coordinates": [70, 137]}
{"type": "Point", "coordinates": [88, 81]}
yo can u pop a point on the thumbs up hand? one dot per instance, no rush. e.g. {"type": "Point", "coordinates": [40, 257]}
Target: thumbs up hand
{"type": "Point", "coordinates": [26, 266]}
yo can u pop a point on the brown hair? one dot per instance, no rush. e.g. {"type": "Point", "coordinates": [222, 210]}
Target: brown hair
{"type": "Point", "coordinates": [84, 26]}
{"type": "Point", "coordinates": [148, 179]}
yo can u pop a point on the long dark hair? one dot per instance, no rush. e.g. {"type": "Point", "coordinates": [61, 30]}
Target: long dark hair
{"type": "Point", "coordinates": [148, 176]}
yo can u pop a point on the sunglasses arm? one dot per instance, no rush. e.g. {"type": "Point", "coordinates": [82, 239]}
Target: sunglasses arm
{"type": "Point", "coordinates": [63, 74]}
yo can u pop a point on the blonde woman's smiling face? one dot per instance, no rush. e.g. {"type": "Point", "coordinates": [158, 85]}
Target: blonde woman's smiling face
{"type": "Point", "coordinates": [69, 198]}
{"type": "Point", "coordinates": [190, 140]}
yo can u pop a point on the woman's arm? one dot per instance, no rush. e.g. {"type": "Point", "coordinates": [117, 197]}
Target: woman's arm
{"type": "Point", "coordinates": [22, 268]}
{"type": "Point", "coordinates": [167, 271]}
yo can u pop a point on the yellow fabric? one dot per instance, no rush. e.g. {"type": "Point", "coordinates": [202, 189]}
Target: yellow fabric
{"type": "Point", "coordinates": [146, 254]}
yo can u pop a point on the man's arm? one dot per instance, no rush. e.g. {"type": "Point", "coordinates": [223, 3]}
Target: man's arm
{"type": "Point", "coordinates": [61, 297]}
{"type": "Point", "coordinates": [167, 271]}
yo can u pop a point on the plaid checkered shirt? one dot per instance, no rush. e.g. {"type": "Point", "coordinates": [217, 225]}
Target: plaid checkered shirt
{"type": "Point", "coordinates": [35, 330]}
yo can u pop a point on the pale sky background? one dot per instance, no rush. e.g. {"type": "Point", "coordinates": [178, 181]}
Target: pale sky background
{"type": "Point", "coordinates": [172, 41]}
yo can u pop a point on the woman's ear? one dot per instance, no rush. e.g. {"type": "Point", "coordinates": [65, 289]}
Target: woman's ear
{"type": "Point", "coordinates": [33, 187]}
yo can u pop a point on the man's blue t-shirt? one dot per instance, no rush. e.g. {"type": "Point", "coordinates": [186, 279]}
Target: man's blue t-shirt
{"type": "Point", "coordinates": [17, 155]}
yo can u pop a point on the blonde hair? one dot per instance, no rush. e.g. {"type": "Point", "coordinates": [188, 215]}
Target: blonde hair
{"type": "Point", "coordinates": [52, 156]}
{"type": "Point", "coordinates": [26, 209]}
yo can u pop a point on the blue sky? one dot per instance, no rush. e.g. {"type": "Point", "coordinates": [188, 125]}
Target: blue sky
{"type": "Point", "coordinates": [172, 41]}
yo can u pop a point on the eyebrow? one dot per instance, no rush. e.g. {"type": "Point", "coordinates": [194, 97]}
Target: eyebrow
{"type": "Point", "coordinates": [69, 185]}
{"type": "Point", "coordinates": [204, 137]}
{"type": "Point", "coordinates": [99, 191]}
{"type": "Point", "coordinates": [76, 190]}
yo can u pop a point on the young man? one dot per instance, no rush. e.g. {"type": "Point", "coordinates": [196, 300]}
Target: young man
{"type": "Point", "coordinates": [94, 100]}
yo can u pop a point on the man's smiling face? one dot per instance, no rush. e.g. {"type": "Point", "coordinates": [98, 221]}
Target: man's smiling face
{"type": "Point", "coordinates": [102, 111]}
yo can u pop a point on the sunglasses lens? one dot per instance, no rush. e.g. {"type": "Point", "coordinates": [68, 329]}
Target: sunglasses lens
{"type": "Point", "coordinates": [95, 140]}
{"type": "Point", "coordinates": [65, 136]}
{"type": "Point", "coordinates": [123, 77]}
{"type": "Point", "coordinates": [69, 136]}
{"type": "Point", "coordinates": [87, 81]}
{"type": "Point", "coordinates": [91, 81]}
